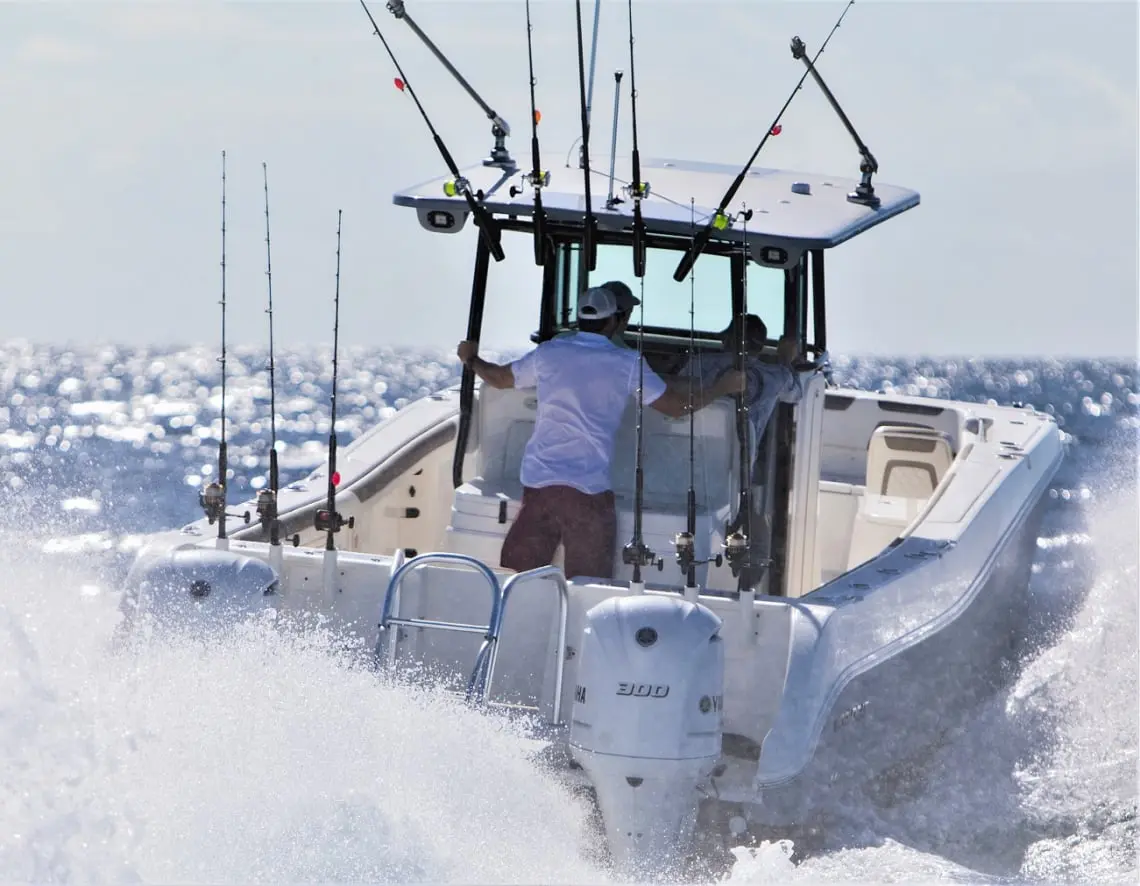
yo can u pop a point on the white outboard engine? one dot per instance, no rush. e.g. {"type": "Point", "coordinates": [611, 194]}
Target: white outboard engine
{"type": "Point", "coordinates": [191, 587]}
{"type": "Point", "coordinates": [647, 720]}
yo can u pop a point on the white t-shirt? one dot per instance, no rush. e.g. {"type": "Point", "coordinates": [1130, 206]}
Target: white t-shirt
{"type": "Point", "coordinates": [584, 384]}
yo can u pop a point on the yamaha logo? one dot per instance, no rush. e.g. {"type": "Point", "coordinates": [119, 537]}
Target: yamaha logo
{"type": "Point", "coordinates": [646, 637]}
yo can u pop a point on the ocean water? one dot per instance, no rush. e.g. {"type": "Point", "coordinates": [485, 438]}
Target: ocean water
{"type": "Point", "coordinates": [266, 755]}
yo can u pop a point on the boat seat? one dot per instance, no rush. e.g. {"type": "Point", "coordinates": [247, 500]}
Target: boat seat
{"type": "Point", "coordinates": [904, 467]}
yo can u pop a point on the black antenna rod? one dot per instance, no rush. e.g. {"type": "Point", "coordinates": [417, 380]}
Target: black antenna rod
{"type": "Point", "coordinates": [267, 498]}
{"type": "Point", "coordinates": [637, 188]}
{"type": "Point", "coordinates": [864, 192]}
{"type": "Point", "coordinates": [459, 185]}
{"type": "Point", "coordinates": [212, 499]}
{"type": "Point", "coordinates": [719, 220]}
{"type": "Point", "coordinates": [327, 520]}
{"type": "Point", "coordinates": [536, 178]}
{"type": "Point", "coordinates": [590, 227]}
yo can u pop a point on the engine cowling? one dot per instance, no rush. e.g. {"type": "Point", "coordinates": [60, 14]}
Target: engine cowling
{"type": "Point", "coordinates": [647, 720]}
{"type": "Point", "coordinates": [191, 587]}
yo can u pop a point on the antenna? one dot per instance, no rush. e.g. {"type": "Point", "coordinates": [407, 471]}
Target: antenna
{"type": "Point", "coordinates": [267, 498]}
{"type": "Point", "coordinates": [458, 185]}
{"type": "Point", "coordinates": [637, 189]}
{"type": "Point", "coordinates": [536, 177]}
{"type": "Point", "coordinates": [590, 225]}
{"type": "Point", "coordinates": [719, 221]}
{"type": "Point", "coordinates": [327, 519]}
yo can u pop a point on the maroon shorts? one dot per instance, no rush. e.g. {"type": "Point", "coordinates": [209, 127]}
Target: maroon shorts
{"type": "Point", "coordinates": [585, 524]}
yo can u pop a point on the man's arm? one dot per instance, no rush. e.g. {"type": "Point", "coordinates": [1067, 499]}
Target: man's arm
{"type": "Point", "coordinates": [494, 374]}
{"type": "Point", "coordinates": [675, 401]}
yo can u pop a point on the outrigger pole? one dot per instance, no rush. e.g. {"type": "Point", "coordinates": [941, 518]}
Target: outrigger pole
{"type": "Point", "coordinates": [458, 185]}
{"type": "Point", "coordinates": [719, 221]}
{"type": "Point", "coordinates": [500, 156]}
{"type": "Point", "coordinates": [328, 520]}
{"type": "Point", "coordinates": [267, 498]}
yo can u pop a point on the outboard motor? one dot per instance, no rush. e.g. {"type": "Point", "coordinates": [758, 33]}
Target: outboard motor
{"type": "Point", "coordinates": [647, 720]}
{"type": "Point", "coordinates": [188, 587]}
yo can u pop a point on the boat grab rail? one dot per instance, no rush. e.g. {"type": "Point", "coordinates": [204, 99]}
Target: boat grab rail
{"type": "Point", "coordinates": [479, 683]}
{"type": "Point", "coordinates": [490, 631]}
{"type": "Point", "coordinates": [542, 573]}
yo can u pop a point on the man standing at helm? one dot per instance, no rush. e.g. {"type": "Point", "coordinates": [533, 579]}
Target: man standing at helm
{"type": "Point", "coordinates": [584, 382]}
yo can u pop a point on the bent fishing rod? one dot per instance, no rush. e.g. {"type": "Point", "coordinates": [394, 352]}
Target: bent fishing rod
{"type": "Point", "coordinates": [267, 498]}
{"type": "Point", "coordinates": [486, 223]}
{"type": "Point", "coordinates": [327, 519]}
{"type": "Point", "coordinates": [719, 221]}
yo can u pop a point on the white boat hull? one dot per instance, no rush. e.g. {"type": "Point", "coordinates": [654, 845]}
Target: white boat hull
{"type": "Point", "coordinates": [823, 690]}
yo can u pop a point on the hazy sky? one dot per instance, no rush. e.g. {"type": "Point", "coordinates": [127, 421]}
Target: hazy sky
{"type": "Point", "coordinates": [1017, 122]}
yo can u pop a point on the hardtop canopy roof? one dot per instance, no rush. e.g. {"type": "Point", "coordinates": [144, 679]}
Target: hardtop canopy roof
{"type": "Point", "coordinates": [791, 209]}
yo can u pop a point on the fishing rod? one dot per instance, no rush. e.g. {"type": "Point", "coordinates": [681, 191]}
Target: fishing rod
{"type": "Point", "coordinates": [637, 552]}
{"type": "Point", "coordinates": [719, 221]}
{"type": "Point", "coordinates": [458, 185]}
{"type": "Point", "coordinates": [536, 177]}
{"type": "Point", "coordinates": [684, 543]}
{"type": "Point", "coordinates": [738, 541]}
{"type": "Point", "coordinates": [267, 498]}
{"type": "Point", "coordinates": [590, 225]}
{"type": "Point", "coordinates": [637, 189]}
{"type": "Point", "coordinates": [327, 519]}
{"type": "Point", "coordinates": [212, 498]}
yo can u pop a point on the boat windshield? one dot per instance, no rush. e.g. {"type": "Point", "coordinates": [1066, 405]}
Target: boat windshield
{"type": "Point", "coordinates": [667, 302]}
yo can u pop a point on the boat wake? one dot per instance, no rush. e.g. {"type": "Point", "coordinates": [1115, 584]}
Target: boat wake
{"type": "Point", "coordinates": [264, 753]}
{"type": "Point", "coordinates": [251, 755]}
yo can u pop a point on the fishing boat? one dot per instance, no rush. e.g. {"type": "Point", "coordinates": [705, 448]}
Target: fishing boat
{"type": "Point", "coordinates": [787, 616]}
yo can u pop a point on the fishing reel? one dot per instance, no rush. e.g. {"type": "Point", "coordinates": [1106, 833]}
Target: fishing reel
{"type": "Point", "coordinates": [531, 180]}
{"type": "Point", "coordinates": [686, 553]}
{"type": "Point", "coordinates": [326, 520]}
{"type": "Point", "coordinates": [266, 507]}
{"type": "Point", "coordinates": [737, 552]}
{"type": "Point", "coordinates": [212, 500]}
{"type": "Point", "coordinates": [637, 553]}
{"type": "Point", "coordinates": [636, 193]}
